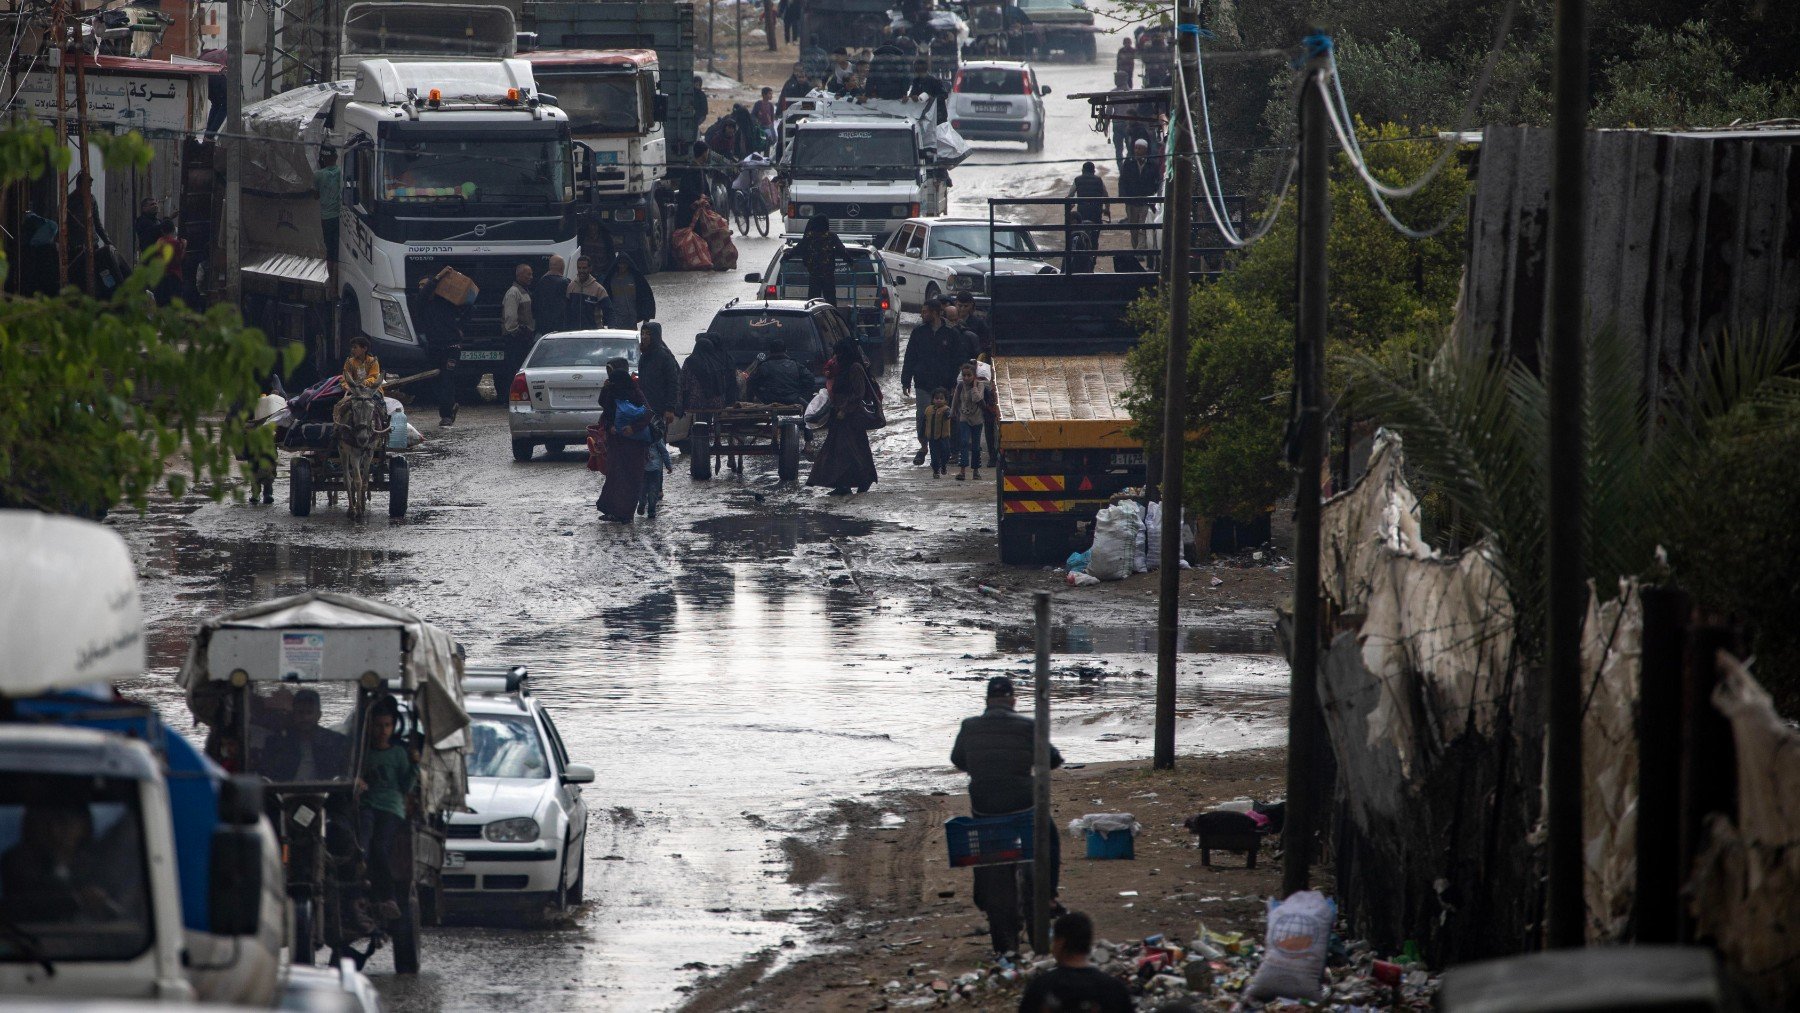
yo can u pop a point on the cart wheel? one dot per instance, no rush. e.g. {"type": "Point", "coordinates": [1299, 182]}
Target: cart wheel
{"type": "Point", "coordinates": [300, 487]}
{"type": "Point", "coordinates": [399, 474]}
{"type": "Point", "coordinates": [406, 936]}
{"type": "Point", "coordinates": [303, 932]}
{"type": "Point", "coordinates": [700, 451]}
{"type": "Point", "coordinates": [522, 450]}
{"type": "Point", "coordinates": [789, 467]}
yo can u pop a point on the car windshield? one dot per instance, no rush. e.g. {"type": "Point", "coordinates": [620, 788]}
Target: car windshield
{"type": "Point", "coordinates": [854, 151]}
{"type": "Point", "coordinates": [73, 884]}
{"type": "Point", "coordinates": [570, 350]}
{"type": "Point", "coordinates": [743, 335]}
{"type": "Point", "coordinates": [297, 734]}
{"type": "Point", "coordinates": [951, 241]}
{"type": "Point", "coordinates": [992, 81]}
{"type": "Point", "coordinates": [597, 103]}
{"type": "Point", "coordinates": [446, 168]}
{"type": "Point", "coordinates": [505, 745]}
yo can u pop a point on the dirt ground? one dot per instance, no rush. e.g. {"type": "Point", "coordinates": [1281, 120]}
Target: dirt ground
{"type": "Point", "coordinates": [904, 916]}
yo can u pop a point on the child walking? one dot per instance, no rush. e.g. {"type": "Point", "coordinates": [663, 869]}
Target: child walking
{"type": "Point", "coordinates": [656, 462]}
{"type": "Point", "coordinates": [937, 432]}
{"type": "Point", "coordinates": [969, 408]}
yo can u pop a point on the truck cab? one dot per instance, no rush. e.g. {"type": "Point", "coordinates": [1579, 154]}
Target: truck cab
{"type": "Point", "coordinates": [868, 168]}
{"type": "Point", "coordinates": [616, 117]}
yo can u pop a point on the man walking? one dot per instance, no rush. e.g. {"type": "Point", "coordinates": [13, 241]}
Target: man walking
{"type": "Point", "coordinates": [1125, 68]}
{"type": "Point", "coordinates": [1139, 176]}
{"type": "Point", "coordinates": [518, 326]}
{"type": "Point", "coordinates": [442, 322]}
{"type": "Point", "coordinates": [659, 375]}
{"type": "Point", "coordinates": [550, 298]}
{"type": "Point", "coordinates": [1074, 984]}
{"type": "Point", "coordinates": [981, 332]}
{"type": "Point", "coordinates": [996, 750]}
{"type": "Point", "coordinates": [934, 356]}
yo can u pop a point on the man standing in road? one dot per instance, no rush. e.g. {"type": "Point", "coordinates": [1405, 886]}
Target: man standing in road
{"type": "Point", "coordinates": [934, 357]}
{"type": "Point", "coordinates": [1125, 68]}
{"type": "Point", "coordinates": [587, 298]}
{"type": "Point", "coordinates": [1074, 984]}
{"type": "Point", "coordinates": [659, 375]}
{"type": "Point", "coordinates": [996, 749]}
{"type": "Point", "coordinates": [1139, 176]}
{"type": "Point", "coordinates": [518, 326]}
{"type": "Point", "coordinates": [550, 298]}
{"type": "Point", "coordinates": [442, 322]}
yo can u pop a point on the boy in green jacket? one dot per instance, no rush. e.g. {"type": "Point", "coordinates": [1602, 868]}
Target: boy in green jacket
{"type": "Point", "coordinates": [388, 774]}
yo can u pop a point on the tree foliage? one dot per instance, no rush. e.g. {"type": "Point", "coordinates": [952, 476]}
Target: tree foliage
{"type": "Point", "coordinates": [105, 401]}
{"type": "Point", "coordinates": [1386, 290]}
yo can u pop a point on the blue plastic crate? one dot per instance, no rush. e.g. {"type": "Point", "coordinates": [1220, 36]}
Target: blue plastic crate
{"type": "Point", "coordinates": [1118, 844]}
{"type": "Point", "coordinates": [988, 840]}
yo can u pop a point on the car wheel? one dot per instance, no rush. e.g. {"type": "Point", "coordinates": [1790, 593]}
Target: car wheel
{"type": "Point", "coordinates": [1036, 143]}
{"type": "Point", "coordinates": [522, 450]}
{"type": "Point", "coordinates": [572, 897]}
{"type": "Point", "coordinates": [931, 292]}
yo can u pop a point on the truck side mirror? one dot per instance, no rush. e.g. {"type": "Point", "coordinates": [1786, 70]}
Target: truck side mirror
{"type": "Point", "coordinates": [234, 881]}
{"type": "Point", "coordinates": [659, 107]}
{"type": "Point", "coordinates": [241, 801]}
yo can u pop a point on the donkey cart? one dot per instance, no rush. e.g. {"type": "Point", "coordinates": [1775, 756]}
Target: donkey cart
{"type": "Point", "coordinates": [344, 449]}
{"type": "Point", "coordinates": [722, 437]}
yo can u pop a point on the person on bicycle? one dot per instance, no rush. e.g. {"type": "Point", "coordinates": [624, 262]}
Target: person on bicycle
{"type": "Point", "coordinates": [995, 748]}
{"type": "Point", "coordinates": [744, 193]}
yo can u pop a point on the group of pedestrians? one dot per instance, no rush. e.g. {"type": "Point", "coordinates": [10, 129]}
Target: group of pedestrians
{"type": "Point", "coordinates": [949, 362]}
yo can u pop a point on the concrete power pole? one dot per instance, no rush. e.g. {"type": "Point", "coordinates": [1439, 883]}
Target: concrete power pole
{"type": "Point", "coordinates": [231, 219]}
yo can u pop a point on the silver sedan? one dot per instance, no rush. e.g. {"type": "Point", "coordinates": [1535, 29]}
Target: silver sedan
{"type": "Point", "coordinates": [556, 395]}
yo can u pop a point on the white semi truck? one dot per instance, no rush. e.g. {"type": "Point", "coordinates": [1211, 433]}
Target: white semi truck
{"type": "Point", "coordinates": [449, 157]}
{"type": "Point", "coordinates": [867, 167]}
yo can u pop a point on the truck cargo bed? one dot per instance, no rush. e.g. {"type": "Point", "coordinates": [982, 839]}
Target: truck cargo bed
{"type": "Point", "coordinates": [1064, 401]}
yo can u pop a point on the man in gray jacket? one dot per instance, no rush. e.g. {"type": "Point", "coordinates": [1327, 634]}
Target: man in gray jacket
{"type": "Point", "coordinates": [995, 748]}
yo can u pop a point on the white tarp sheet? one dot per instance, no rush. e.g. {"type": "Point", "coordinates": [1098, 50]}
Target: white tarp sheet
{"type": "Point", "coordinates": [69, 610]}
{"type": "Point", "coordinates": [287, 131]}
{"type": "Point", "coordinates": [431, 669]}
{"type": "Point", "coordinates": [1611, 656]}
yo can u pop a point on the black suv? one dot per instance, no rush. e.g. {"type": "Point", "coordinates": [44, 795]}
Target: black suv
{"type": "Point", "coordinates": [743, 328]}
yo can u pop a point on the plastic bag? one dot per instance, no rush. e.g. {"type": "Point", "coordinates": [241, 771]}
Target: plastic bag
{"type": "Point", "coordinates": [1294, 947]}
{"type": "Point", "coordinates": [1076, 578]}
{"type": "Point", "coordinates": [818, 411]}
{"type": "Point", "coordinates": [691, 253]}
{"type": "Point", "coordinates": [1078, 562]}
{"type": "Point", "coordinates": [1116, 532]}
{"type": "Point", "coordinates": [1105, 823]}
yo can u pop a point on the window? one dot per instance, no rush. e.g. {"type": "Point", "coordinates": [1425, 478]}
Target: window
{"type": "Point", "coordinates": [573, 351]}
{"type": "Point", "coordinates": [743, 335]}
{"type": "Point", "coordinates": [556, 742]}
{"type": "Point", "coordinates": [951, 241]}
{"type": "Point", "coordinates": [993, 81]}
{"type": "Point", "coordinates": [597, 103]}
{"type": "Point", "coordinates": [506, 746]}
{"type": "Point", "coordinates": [73, 881]}
{"type": "Point", "coordinates": [437, 167]}
{"type": "Point", "coordinates": [851, 151]}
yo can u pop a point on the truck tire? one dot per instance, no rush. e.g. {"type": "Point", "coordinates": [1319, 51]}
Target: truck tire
{"type": "Point", "coordinates": [399, 477]}
{"type": "Point", "coordinates": [406, 935]}
{"type": "Point", "coordinates": [522, 450]}
{"type": "Point", "coordinates": [303, 949]}
{"type": "Point", "coordinates": [788, 469]}
{"type": "Point", "coordinates": [700, 451]}
{"type": "Point", "coordinates": [300, 487]}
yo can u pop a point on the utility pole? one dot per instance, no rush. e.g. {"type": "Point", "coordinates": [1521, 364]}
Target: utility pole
{"type": "Point", "coordinates": [1174, 435]}
{"type": "Point", "coordinates": [84, 179]}
{"type": "Point", "coordinates": [1309, 354]}
{"type": "Point", "coordinates": [232, 265]}
{"type": "Point", "coordinates": [59, 52]}
{"type": "Point", "coordinates": [712, 34]}
{"type": "Point", "coordinates": [1043, 827]}
{"type": "Point", "coordinates": [1565, 912]}
{"type": "Point", "coordinates": [740, 42]}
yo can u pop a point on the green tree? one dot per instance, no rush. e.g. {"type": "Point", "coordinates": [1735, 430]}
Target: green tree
{"type": "Point", "coordinates": [104, 401]}
{"type": "Point", "coordinates": [1688, 76]}
{"type": "Point", "coordinates": [1385, 290]}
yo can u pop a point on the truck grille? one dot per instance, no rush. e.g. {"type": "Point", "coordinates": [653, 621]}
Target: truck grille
{"type": "Point", "coordinates": [494, 275]}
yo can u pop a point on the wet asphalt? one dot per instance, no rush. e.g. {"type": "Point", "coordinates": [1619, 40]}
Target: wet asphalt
{"type": "Point", "coordinates": [731, 670]}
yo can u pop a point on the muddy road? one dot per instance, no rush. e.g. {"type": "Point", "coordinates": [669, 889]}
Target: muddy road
{"type": "Point", "coordinates": [734, 671]}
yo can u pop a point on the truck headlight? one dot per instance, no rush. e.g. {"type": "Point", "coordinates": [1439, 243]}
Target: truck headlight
{"type": "Point", "coordinates": [513, 831]}
{"type": "Point", "coordinates": [625, 215]}
{"type": "Point", "coordinates": [806, 211]}
{"type": "Point", "coordinates": [393, 320]}
{"type": "Point", "coordinates": [899, 211]}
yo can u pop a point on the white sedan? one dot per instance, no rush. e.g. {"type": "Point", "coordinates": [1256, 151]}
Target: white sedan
{"type": "Point", "coordinates": [556, 394]}
{"type": "Point", "coordinates": [522, 842]}
{"type": "Point", "coordinates": [939, 257]}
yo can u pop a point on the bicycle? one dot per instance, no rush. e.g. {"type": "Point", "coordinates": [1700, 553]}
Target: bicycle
{"type": "Point", "coordinates": [748, 200]}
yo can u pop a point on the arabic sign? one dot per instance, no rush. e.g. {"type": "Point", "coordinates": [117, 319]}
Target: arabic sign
{"type": "Point", "coordinates": [139, 102]}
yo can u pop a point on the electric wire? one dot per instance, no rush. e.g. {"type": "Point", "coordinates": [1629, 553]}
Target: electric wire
{"type": "Point", "coordinates": [1376, 195]}
{"type": "Point", "coordinates": [1214, 188]}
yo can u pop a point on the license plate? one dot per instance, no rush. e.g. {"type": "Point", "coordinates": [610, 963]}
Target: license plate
{"type": "Point", "coordinates": [453, 859]}
{"type": "Point", "coordinates": [991, 107]}
{"type": "Point", "coordinates": [482, 356]}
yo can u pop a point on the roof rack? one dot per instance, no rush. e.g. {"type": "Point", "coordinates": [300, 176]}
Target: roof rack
{"type": "Point", "coordinates": [489, 680]}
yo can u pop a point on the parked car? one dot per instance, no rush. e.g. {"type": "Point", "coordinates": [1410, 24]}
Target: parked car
{"type": "Point", "coordinates": [338, 989]}
{"type": "Point", "coordinates": [809, 328]}
{"type": "Point", "coordinates": [522, 842]}
{"type": "Point", "coordinates": [932, 257]}
{"type": "Point", "coordinates": [999, 100]}
{"type": "Point", "coordinates": [556, 394]}
{"type": "Point", "coordinates": [865, 296]}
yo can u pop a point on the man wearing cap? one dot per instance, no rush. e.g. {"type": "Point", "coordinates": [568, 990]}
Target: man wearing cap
{"type": "Point", "coordinates": [1139, 176]}
{"type": "Point", "coordinates": [996, 749]}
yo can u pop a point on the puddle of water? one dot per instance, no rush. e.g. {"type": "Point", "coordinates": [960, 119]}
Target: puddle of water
{"type": "Point", "coordinates": [1076, 639]}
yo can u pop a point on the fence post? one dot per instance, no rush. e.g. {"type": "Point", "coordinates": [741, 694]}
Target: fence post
{"type": "Point", "coordinates": [1656, 908]}
{"type": "Point", "coordinates": [1043, 868]}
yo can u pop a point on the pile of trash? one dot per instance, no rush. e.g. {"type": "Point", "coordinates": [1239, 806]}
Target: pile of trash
{"type": "Point", "coordinates": [1211, 971]}
{"type": "Point", "coordinates": [1127, 540]}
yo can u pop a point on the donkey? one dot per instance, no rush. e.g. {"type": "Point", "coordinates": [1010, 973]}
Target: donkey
{"type": "Point", "coordinates": [362, 428]}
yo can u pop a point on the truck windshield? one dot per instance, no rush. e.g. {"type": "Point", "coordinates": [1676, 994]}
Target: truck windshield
{"type": "Point", "coordinates": [596, 103]}
{"type": "Point", "coordinates": [951, 241]}
{"type": "Point", "coordinates": [857, 151]}
{"type": "Point", "coordinates": [444, 168]}
{"type": "Point", "coordinates": [302, 735]}
{"type": "Point", "coordinates": [506, 746]}
{"type": "Point", "coordinates": [73, 884]}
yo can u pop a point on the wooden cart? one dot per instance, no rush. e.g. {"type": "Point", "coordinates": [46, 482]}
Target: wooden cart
{"type": "Point", "coordinates": [723, 437]}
